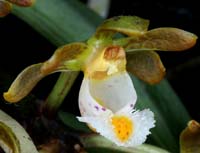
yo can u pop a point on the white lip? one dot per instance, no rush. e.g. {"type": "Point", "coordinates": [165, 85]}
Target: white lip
{"type": "Point", "coordinates": [114, 94]}
{"type": "Point", "coordinates": [100, 100]}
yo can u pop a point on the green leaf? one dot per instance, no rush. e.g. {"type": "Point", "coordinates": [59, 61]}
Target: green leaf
{"type": "Point", "coordinates": [13, 137]}
{"type": "Point", "coordinates": [71, 121]}
{"type": "Point", "coordinates": [170, 114]}
{"type": "Point", "coordinates": [146, 65]}
{"type": "Point", "coordinates": [129, 25]}
{"type": "Point", "coordinates": [99, 143]}
{"type": "Point", "coordinates": [60, 21]}
{"type": "Point", "coordinates": [190, 138]}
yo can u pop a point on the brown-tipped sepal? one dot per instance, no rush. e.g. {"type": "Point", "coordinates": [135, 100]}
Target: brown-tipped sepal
{"type": "Point", "coordinates": [24, 3]}
{"type": "Point", "coordinates": [146, 65]}
{"type": "Point", "coordinates": [5, 8]}
{"type": "Point", "coordinates": [163, 39]}
{"type": "Point", "coordinates": [24, 83]}
{"type": "Point", "coordinates": [190, 138]}
{"type": "Point", "coordinates": [170, 39]}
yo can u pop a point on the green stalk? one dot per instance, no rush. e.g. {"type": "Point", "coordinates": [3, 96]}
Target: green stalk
{"type": "Point", "coordinates": [59, 92]}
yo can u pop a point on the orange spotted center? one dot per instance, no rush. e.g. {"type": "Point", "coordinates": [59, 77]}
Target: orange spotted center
{"type": "Point", "coordinates": [123, 127]}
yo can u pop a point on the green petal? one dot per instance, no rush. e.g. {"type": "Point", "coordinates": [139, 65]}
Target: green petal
{"type": "Point", "coordinates": [146, 65]}
{"type": "Point", "coordinates": [165, 39]}
{"type": "Point", "coordinates": [190, 138]}
{"type": "Point", "coordinates": [13, 137]}
{"type": "Point", "coordinates": [129, 25]}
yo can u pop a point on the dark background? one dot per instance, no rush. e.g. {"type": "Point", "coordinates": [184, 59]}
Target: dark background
{"type": "Point", "coordinates": [21, 46]}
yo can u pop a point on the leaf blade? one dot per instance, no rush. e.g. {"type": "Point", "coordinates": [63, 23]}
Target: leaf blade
{"type": "Point", "coordinates": [16, 135]}
{"type": "Point", "coordinates": [170, 114]}
{"type": "Point", "coordinates": [49, 20]}
{"type": "Point", "coordinates": [99, 142]}
{"type": "Point", "coordinates": [71, 121]}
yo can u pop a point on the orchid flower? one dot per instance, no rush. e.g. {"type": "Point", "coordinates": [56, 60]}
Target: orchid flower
{"type": "Point", "coordinates": [107, 96]}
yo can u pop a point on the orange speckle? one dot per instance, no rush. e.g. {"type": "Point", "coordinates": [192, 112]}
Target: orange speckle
{"type": "Point", "coordinates": [123, 127]}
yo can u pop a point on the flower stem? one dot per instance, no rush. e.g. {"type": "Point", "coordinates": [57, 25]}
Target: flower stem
{"type": "Point", "coordinates": [59, 92]}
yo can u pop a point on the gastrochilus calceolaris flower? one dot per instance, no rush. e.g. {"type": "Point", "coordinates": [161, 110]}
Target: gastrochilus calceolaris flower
{"type": "Point", "coordinates": [107, 96]}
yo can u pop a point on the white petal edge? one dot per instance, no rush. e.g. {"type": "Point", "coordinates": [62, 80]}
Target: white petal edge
{"type": "Point", "coordinates": [143, 122]}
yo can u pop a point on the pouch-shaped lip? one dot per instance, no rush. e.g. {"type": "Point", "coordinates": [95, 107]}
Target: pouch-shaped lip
{"type": "Point", "coordinates": [101, 101]}
{"type": "Point", "coordinates": [114, 94]}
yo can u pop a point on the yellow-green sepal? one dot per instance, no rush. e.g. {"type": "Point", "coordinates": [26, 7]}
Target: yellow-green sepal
{"type": "Point", "coordinates": [69, 57]}
{"type": "Point", "coordinates": [128, 25]}
{"type": "Point", "coordinates": [66, 58]}
{"type": "Point", "coordinates": [24, 83]}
